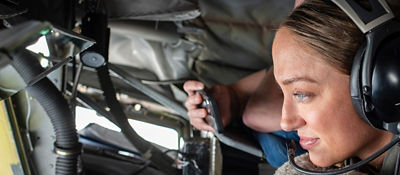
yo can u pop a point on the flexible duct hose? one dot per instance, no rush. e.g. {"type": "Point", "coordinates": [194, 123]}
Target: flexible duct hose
{"type": "Point", "coordinates": [56, 107]}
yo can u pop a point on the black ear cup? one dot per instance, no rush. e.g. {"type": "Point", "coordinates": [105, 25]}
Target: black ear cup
{"type": "Point", "coordinates": [385, 85]}
{"type": "Point", "coordinates": [375, 78]}
{"type": "Point", "coordinates": [357, 95]}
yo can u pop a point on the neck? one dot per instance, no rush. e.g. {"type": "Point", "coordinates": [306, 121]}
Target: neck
{"type": "Point", "coordinates": [382, 139]}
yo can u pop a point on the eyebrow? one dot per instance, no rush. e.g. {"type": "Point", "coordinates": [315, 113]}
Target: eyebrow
{"type": "Point", "coordinates": [296, 79]}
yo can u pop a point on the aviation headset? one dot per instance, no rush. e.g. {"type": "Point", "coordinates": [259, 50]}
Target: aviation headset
{"type": "Point", "coordinates": [375, 74]}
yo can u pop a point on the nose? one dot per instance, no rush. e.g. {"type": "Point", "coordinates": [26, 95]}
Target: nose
{"type": "Point", "coordinates": [291, 119]}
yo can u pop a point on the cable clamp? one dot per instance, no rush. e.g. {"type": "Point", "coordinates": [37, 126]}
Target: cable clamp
{"type": "Point", "coordinates": [68, 152]}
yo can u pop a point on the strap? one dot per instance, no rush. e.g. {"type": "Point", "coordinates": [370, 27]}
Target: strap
{"type": "Point", "coordinates": [161, 160]}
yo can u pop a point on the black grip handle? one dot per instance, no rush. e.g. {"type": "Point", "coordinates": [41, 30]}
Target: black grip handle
{"type": "Point", "coordinates": [213, 117]}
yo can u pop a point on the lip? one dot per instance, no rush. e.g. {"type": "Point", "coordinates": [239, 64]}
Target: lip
{"type": "Point", "coordinates": [307, 143]}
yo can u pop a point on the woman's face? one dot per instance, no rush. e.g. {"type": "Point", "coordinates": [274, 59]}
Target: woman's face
{"type": "Point", "coordinates": [317, 104]}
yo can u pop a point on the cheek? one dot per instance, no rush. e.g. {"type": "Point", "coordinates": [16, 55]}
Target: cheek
{"type": "Point", "coordinates": [331, 115]}
{"type": "Point", "coordinates": [339, 128]}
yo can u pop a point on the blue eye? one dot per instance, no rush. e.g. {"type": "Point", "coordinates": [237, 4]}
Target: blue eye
{"type": "Point", "coordinates": [301, 96]}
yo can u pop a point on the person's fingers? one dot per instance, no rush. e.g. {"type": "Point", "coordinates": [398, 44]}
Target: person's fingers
{"type": "Point", "coordinates": [197, 119]}
{"type": "Point", "coordinates": [200, 124]}
{"type": "Point", "coordinates": [193, 101]}
{"type": "Point", "coordinates": [208, 128]}
{"type": "Point", "coordinates": [197, 113]}
{"type": "Point", "coordinates": [192, 85]}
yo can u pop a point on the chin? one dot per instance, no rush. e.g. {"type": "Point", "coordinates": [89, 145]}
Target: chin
{"type": "Point", "coordinates": [321, 160]}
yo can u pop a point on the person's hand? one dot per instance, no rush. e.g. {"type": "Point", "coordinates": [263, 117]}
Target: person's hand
{"type": "Point", "coordinates": [197, 115]}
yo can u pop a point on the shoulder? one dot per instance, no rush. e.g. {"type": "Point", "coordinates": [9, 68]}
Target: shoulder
{"type": "Point", "coordinates": [286, 168]}
{"type": "Point", "coordinates": [304, 161]}
{"type": "Point", "coordinates": [389, 161]}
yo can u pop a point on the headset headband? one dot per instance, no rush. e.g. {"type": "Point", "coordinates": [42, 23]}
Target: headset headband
{"type": "Point", "coordinates": [364, 19]}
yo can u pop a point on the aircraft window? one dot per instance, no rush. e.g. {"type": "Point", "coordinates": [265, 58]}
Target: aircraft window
{"type": "Point", "coordinates": [160, 135]}
{"type": "Point", "coordinates": [86, 116]}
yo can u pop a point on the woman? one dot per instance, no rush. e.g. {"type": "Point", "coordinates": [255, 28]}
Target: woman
{"type": "Point", "coordinates": [312, 54]}
{"type": "Point", "coordinates": [257, 101]}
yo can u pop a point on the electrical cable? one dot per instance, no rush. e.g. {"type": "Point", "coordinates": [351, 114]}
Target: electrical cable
{"type": "Point", "coordinates": [163, 82]}
{"type": "Point", "coordinates": [290, 145]}
{"type": "Point", "coordinates": [77, 75]}
{"type": "Point", "coordinates": [28, 117]}
{"type": "Point", "coordinates": [8, 90]}
{"type": "Point", "coordinates": [6, 16]}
